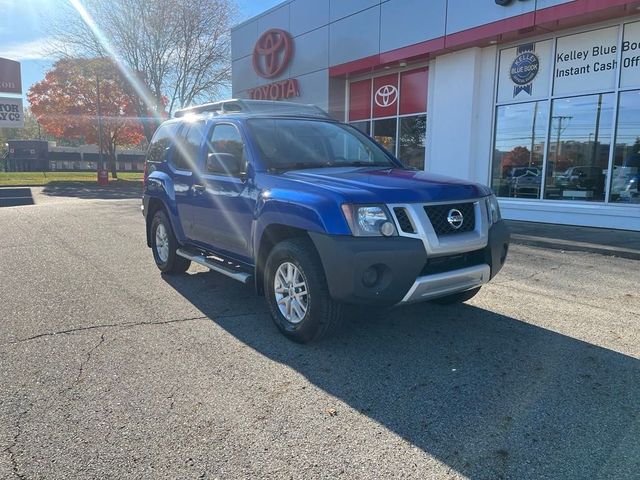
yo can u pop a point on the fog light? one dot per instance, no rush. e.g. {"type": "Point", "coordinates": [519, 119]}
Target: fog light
{"type": "Point", "coordinates": [387, 229]}
{"type": "Point", "coordinates": [370, 277]}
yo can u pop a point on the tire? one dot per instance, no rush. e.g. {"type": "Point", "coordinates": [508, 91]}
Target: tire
{"type": "Point", "coordinates": [164, 254]}
{"type": "Point", "coordinates": [457, 297]}
{"type": "Point", "coordinates": [321, 315]}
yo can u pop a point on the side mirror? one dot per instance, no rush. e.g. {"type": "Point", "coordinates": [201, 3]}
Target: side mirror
{"type": "Point", "coordinates": [224, 164]}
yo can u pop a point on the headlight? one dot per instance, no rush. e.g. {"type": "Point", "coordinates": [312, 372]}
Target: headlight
{"type": "Point", "coordinates": [369, 220]}
{"type": "Point", "coordinates": [493, 209]}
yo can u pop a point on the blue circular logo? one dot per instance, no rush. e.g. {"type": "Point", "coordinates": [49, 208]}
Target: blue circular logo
{"type": "Point", "coordinates": [524, 68]}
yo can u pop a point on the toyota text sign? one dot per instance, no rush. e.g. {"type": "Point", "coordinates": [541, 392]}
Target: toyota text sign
{"type": "Point", "coordinates": [271, 55]}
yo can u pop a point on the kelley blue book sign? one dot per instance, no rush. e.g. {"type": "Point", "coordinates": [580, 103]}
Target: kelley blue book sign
{"type": "Point", "coordinates": [524, 72]}
{"type": "Point", "coordinates": [11, 115]}
{"type": "Point", "coordinates": [630, 75]}
{"type": "Point", "coordinates": [585, 62]}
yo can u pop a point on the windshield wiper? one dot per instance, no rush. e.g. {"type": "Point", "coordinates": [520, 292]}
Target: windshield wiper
{"type": "Point", "coordinates": [305, 165]}
{"type": "Point", "coordinates": [358, 163]}
{"type": "Point", "coordinates": [301, 166]}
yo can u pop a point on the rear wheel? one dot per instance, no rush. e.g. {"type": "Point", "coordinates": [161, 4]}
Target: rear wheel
{"type": "Point", "coordinates": [297, 292]}
{"type": "Point", "coordinates": [164, 246]}
{"type": "Point", "coordinates": [457, 297]}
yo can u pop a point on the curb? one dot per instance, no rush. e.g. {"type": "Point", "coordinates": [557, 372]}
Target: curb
{"type": "Point", "coordinates": [556, 244]}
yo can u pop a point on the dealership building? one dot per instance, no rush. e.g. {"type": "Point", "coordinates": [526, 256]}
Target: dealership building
{"type": "Point", "coordinates": [540, 99]}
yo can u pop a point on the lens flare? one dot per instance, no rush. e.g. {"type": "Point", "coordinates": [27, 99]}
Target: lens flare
{"type": "Point", "coordinates": [130, 76]}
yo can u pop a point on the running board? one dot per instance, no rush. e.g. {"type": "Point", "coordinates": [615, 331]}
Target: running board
{"type": "Point", "coordinates": [197, 257]}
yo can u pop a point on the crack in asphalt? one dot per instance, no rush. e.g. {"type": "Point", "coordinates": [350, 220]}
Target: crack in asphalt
{"type": "Point", "coordinates": [82, 365]}
{"type": "Point", "coordinates": [14, 443]}
{"type": "Point", "coordinates": [22, 414]}
{"type": "Point", "coordinates": [123, 325]}
{"type": "Point", "coordinates": [81, 369]}
{"type": "Point", "coordinates": [106, 325]}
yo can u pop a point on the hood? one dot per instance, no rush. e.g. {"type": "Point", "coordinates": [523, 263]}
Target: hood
{"type": "Point", "coordinates": [389, 185]}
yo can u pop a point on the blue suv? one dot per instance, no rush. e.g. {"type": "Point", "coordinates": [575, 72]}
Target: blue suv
{"type": "Point", "coordinates": [313, 213]}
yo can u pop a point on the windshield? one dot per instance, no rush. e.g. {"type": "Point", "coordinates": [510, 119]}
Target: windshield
{"type": "Point", "coordinates": [293, 143]}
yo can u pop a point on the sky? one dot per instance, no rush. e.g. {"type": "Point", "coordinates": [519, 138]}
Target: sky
{"type": "Point", "coordinates": [24, 35]}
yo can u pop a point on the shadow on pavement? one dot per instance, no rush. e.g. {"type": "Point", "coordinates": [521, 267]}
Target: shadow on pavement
{"type": "Point", "coordinates": [13, 197]}
{"type": "Point", "coordinates": [121, 189]}
{"type": "Point", "coordinates": [489, 395]}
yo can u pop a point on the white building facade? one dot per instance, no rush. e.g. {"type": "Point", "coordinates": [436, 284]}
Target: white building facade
{"type": "Point", "coordinates": [540, 99]}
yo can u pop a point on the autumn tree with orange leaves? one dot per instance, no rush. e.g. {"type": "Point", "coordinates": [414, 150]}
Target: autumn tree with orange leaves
{"type": "Point", "coordinates": [65, 104]}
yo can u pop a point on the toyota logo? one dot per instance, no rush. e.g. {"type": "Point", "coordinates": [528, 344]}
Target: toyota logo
{"type": "Point", "coordinates": [272, 53]}
{"type": "Point", "coordinates": [455, 218]}
{"type": "Point", "coordinates": [386, 95]}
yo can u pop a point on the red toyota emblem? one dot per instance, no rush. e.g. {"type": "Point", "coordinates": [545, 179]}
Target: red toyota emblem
{"type": "Point", "coordinates": [272, 53]}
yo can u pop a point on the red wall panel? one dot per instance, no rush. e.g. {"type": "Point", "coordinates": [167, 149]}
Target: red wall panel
{"type": "Point", "coordinates": [360, 100]}
{"type": "Point", "coordinates": [385, 96]}
{"type": "Point", "coordinates": [413, 91]}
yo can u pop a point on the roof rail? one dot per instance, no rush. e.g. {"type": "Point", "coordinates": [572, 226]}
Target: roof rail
{"type": "Point", "coordinates": [255, 106]}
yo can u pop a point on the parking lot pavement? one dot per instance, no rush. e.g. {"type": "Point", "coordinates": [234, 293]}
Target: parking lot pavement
{"type": "Point", "coordinates": [110, 370]}
{"type": "Point", "coordinates": [56, 192]}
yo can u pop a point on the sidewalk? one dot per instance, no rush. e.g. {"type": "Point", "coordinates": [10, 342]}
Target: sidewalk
{"type": "Point", "coordinates": [619, 243]}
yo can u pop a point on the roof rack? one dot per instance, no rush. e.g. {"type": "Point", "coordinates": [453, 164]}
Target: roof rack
{"type": "Point", "coordinates": [255, 106]}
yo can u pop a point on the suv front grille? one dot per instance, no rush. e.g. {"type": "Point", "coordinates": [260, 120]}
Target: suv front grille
{"type": "Point", "coordinates": [449, 263]}
{"type": "Point", "coordinates": [403, 220]}
{"type": "Point", "coordinates": [438, 215]}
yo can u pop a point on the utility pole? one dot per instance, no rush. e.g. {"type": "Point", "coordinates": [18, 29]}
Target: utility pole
{"type": "Point", "coordinates": [101, 161]}
{"type": "Point", "coordinates": [595, 137]}
{"type": "Point", "coordinates": [560, 118]}
{"type": "Point", "coordinates": [533, 132]}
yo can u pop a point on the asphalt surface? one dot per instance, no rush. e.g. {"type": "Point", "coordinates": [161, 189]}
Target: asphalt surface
{"type": "Point", "coordinates": [110, 370]}
{"type": "Point", "coordinates": [605, 241]}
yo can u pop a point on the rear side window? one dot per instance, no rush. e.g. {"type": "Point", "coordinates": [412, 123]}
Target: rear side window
{"type": "Point", "coordinates": [161, 143]}
{"type": "Point", "coordinates": [187, 147]}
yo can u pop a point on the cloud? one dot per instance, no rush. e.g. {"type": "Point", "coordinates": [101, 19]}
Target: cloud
{"type": "Point", "coordinates": [37, 49]}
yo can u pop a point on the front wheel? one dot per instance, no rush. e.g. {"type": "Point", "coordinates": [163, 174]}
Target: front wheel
{"type": "Point", "coordinates": [165, 245]}
{"type": "Point", "coordinates": [457, 297]}
{"type": "Point", "coordinates": [297, 292]}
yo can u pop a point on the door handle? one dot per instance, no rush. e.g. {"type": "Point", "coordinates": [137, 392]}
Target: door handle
{"type": "Point", "coordinates": [199, 188]}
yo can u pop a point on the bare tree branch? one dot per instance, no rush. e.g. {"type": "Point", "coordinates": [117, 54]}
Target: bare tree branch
{"type": "Point", "coordinates": [179, 50]}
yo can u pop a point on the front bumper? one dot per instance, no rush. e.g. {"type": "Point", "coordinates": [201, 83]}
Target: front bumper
{"type": "Point", "coordinates": [403, 271]}
{"type": "Point", "coordinates": [441, 284]}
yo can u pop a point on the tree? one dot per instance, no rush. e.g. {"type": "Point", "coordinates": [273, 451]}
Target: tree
{"type": "Point", "coordinates": [28, 132]}
{"type": "Point", "coordinates": [65, 104]}
{"type": "Point", "coordinates": [178, 49]}
{"type": "Point", "coordinates": [518, 157]}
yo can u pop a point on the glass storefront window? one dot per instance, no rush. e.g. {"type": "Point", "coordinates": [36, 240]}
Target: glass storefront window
{"type": "Point", "coordinates": [384, 131]}
{"type": "Point", "coordinates": [579, 144]}
{"type": "Point", "coordinates": [568, 109]}
{"type": "Point", "coordinates": [626, 165]}
{"type": "Point", "coordinates": [519, 149]}
{"type": "Point", "coordinates": [411, 147]}
{"type": "Point", "coordinates": [392, 109]}
{"type": "Point", "coordinates": [364, 127]}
